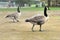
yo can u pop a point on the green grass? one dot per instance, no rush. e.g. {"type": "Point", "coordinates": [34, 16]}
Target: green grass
{"type": "Point", "coordinates": [22, 9]}
{"type": "Point", "coordinates": [55, 8]}
{"type": "Point", "coordinates": [29, 9]}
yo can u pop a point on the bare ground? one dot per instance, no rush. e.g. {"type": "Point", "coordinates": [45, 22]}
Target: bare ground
{"type": "Point", "coordinates": [22, 30]}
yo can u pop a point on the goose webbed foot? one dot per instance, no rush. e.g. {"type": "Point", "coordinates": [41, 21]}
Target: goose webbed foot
{"type": "Point", "coordinates": [17, 20]}
{"type": "Point", "coordinates": [13, 21]}
{"type": "Point", "coordinates": [40, 30]}
{"type": "Point", "coordinates": [32, 30]}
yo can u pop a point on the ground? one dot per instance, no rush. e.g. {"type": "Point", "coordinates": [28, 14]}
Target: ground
{"type": "Point", "coordinates": [22, 30]}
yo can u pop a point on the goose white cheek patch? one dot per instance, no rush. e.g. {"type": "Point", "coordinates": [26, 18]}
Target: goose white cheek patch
{"type": "Point", "coordinates": [19, 14]}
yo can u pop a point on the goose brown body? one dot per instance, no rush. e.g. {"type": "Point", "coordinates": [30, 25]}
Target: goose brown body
{"type": "Point", "coordinates": [36, 19]}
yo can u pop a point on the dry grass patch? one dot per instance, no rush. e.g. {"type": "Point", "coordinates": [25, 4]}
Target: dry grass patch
{"type": "Point", "coordinates": [22, 30]}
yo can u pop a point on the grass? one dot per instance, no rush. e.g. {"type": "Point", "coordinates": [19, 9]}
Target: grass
{"type": "Point", "coordinates": [23, 9]}
{"type": "Point", "coordinates": [22, 30]}
{"type": "Point", "coordinates": [55, 8]}
{"type": "Point", "coordinates": [29, 9]}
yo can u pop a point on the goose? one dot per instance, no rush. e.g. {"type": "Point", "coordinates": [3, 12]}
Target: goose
{"type": "Point", "coordinates": [38, 19]}
{"type": "Point", "coordinates": [14, 16]}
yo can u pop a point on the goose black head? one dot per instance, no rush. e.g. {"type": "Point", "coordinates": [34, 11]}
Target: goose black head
{"type": "Point", "coordinates": [45, 11]}
{"type": "Point", "coordinates": [18, 9]}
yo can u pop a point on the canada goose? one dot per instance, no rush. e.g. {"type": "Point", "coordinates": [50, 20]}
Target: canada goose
{"type": "Point", "coordinates": [14, 16]}
{"type": "Point", "coordinates": [38, 19]}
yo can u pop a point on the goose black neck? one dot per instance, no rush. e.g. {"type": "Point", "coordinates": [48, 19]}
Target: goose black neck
{"type": "Point", "coordinates": [45, 11]}
{"type": "Point", "coordinates": [18, 9]}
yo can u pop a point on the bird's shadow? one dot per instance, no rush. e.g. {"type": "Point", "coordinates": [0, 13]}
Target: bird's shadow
{"type": "Point", "coordinates": [36, 31]}
{"type": "Point", "coordinates": [9, 22]}
{"type": "Point", "coordinates": [43, 31]}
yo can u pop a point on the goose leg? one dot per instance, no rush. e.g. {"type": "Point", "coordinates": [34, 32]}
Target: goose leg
{"type": "Point", "coordinates": [40, 28]}
{"type": "Point", "coordinates": [13, 20]}
{"type": "Point", "coordinates": [17, 20]}
{"type": "Point", "coordinates": [33, 27]}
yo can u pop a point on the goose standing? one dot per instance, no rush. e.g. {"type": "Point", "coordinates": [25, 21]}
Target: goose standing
{"type": "Point", "coordinates": [38, 19]}
{"type": "Point", "coordinates": [14, 16]}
